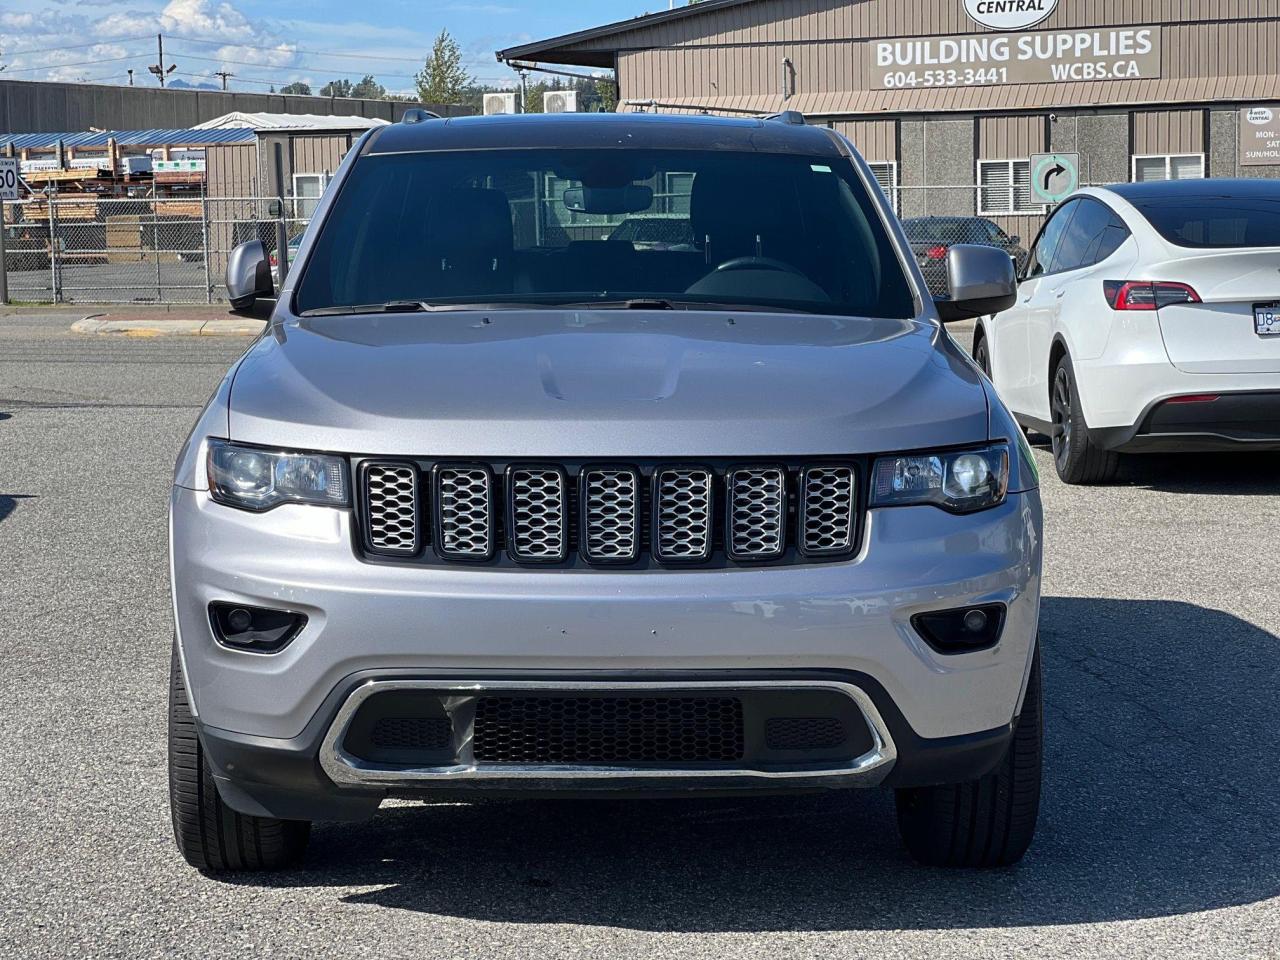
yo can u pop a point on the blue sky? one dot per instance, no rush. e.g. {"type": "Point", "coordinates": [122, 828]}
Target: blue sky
{"type": "Point", "coordinates": [272, 42]}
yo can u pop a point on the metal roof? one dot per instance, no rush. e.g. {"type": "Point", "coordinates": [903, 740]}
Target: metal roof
{"type": "Point", "coordinates": [128, 138]}
{"type": "Point", "coordinates": [551, 50]}
{"type": "Point", "coordinates": [290, 121]}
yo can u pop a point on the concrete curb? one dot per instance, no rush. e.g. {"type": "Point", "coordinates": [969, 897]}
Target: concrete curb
{"type": "Point", "coordinates": [160, 327]}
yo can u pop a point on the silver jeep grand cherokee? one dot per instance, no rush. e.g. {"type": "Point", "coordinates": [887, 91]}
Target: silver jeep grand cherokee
{"type": "Point", "coordinates": [501, 503]}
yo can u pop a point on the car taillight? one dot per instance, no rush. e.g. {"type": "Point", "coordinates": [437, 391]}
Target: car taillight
{"type": "Point", "coordinates": [1145, 295]}
{"type": "Point", "coordinates": [936, 253]}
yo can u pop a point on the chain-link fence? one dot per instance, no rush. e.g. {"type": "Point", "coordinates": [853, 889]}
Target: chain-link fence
{"type": "Point", "coordinates": [174, 250]}
{"type": "Point", "coordinates": [109, 250]}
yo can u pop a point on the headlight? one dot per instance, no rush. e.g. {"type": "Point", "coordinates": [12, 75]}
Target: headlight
{"type": "Point", "coordinates": [254, 479]}
{"type": "Point", "coordinates": [961, 481]}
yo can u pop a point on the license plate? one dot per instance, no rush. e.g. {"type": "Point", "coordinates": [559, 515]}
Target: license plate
{"type": "Point", "coordinates": [1266, 319]}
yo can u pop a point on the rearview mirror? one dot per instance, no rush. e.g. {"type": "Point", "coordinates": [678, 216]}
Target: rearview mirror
{"type": "Point", "coordinates": [629, 199]}
{"type": "Point", "coordinates": [981, 281]}
{"type": "Point", "coordinates": [248, 276]}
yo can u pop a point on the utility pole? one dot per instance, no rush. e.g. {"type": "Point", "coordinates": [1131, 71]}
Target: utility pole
{"type": "Point", "coordinates": [131, 76]}
{"type": "Point", "coordinates": [158, 68]}
{"type": "Point", "coordinates": [224, 74]}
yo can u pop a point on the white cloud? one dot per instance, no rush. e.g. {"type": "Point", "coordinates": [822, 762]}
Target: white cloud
{"type": "Point", "coordinates": [209, 21]}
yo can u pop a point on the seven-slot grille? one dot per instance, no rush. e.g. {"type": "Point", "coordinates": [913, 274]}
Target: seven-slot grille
{"type": "Point", "coordinates": [674, 514]}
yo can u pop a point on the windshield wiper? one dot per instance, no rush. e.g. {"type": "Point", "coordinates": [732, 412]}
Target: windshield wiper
{"type": "Point", "coordinates": [416, 306]}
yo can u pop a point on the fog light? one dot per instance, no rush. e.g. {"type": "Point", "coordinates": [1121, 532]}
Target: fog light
{"type": "Point", "coordinates": [961, 631]}
{"type": "Point", "coordinates": [254, 628]}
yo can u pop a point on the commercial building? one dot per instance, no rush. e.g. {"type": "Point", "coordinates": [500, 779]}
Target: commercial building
{"type": "Point", "coordinates": [951, 99]}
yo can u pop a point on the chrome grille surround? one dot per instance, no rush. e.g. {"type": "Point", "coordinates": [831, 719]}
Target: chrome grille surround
{"type": "Point", "coordinates": [683, 514]}
{"type": "Point", "coordinates": [609, 528]}
{"type": "Point", "coordinates": [464, 527]}
{"type": "Point", "coordinates": [828, 510]}
{"type": "Point", "coordinates": [390, 499]}
{"type": "Point", "coordinates": [756, 522]}
{"type": "Point", "coordinates": [537, 514]}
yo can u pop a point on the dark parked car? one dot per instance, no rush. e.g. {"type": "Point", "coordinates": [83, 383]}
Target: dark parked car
{"type": "Point", "coordinates": [932, 237]}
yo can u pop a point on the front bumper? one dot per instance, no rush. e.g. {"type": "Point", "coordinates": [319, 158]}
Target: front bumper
{"type": "Point", "coordinates": [265, 719]}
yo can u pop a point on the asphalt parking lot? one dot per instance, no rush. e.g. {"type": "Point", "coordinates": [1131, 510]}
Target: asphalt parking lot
{"type": "Point", "coordinates": [1159, 831]}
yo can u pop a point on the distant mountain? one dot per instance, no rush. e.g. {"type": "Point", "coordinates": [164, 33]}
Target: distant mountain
{"type": "Point", "coordinates": [183, 85]}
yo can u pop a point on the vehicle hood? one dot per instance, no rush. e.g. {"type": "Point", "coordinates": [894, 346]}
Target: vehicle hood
{"type": "Point", "coordinates": [607, 383]}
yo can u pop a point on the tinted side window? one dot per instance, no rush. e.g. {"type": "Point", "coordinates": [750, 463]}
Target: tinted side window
{"type": "Point", "coordinates": [1111, 239]}
{"type": "Point", "coordinates": [1046, 248]}
{"type": "Point", "coordinates": [1080, 242]}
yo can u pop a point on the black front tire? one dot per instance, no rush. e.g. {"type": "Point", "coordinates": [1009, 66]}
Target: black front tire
{"type": "Point", "coordinates": [982, 354]}
{"type": "Point", "coordinates": [210, 835]}
{"type": "Point", "coordinates": [988, 822]}
{"type": "Point", "coordinates": [1077, 456]}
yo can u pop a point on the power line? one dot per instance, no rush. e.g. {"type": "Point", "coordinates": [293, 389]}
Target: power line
{"type": "Point", "coordinates": [78, 63]}
{"type": "Point", "coordinates": [294, 67]}
{"type": "Point", "coordinates": [311, 53]}
{"type": "Point", "coordinates": [78, 46]}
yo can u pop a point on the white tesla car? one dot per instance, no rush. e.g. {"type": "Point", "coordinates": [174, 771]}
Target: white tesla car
{"type": "Point", "coordinates": [1148, 320]}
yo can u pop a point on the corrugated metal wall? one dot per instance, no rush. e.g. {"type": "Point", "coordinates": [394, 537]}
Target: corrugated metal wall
{"type": "Point", "coordinates": [876, 140]}
{"type": "Point", "coordinates": [732, 57]}
{"type": "Point", "coordinates": [1168, 131]}
{"type": "Point", "coordinates": [35, 107]}
{"type": "Point", "coordinates": [1006, 138]}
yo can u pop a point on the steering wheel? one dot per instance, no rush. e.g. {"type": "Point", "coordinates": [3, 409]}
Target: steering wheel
{"type": "Point", "coordinates": [759, 263]}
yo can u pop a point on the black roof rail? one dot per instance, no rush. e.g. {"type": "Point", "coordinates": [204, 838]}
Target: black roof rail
{"type": "Point", "coordinates": [788, 116]}
{"type": "Point", "coordinates": [417, 115]}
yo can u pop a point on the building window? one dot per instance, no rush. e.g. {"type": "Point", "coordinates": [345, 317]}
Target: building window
{"type": "Point", "coordinates": [1004, 186]}
{"type": "Point", "coordinates": [886, 175]}
{"type": "Point", "coordinates": [307, 188]}
{"type": "Point", "coordinates": [1177, 167]}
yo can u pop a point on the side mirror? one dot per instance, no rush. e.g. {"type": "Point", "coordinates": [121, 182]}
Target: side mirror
{"type": "Point", "coordinates": [249, 276]}
{"type": "Point", "coordinates": [981, 281]}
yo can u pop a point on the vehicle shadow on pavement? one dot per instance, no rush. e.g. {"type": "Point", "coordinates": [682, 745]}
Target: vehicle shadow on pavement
{"type": "Point", "coordinates": [1160, 799]}
{"type": "Point", "coordinates": [1207, 474]}
{"type": "Point", "coordinates": [9, 503]}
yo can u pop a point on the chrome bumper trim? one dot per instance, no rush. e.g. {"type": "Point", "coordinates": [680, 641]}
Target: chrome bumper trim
{"type": "Point", "coordinates": [346, 770]}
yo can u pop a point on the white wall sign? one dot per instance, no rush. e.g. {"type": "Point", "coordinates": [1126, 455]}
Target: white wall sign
{"type": "Point", "coordinates": [1259, 137]}
{"type": "Point", "coordinates": [1009, 14]}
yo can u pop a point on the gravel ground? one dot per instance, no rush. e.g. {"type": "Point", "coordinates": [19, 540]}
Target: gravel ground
{"type": "Point", "coordinates": [1158, 832]}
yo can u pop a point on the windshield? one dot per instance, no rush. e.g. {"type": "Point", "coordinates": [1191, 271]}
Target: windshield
{"type": "Point", "coordinates": [1214, 222]}
{"type": "Point", "coordinates": [545, 227]}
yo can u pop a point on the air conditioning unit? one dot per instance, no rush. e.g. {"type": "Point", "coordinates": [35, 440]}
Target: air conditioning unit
{"type": "Point", "coordinates": [496, 103]}
{"type": "Point", "coordinates": [560, 101]}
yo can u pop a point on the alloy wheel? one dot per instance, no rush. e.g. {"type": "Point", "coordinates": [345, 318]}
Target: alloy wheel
{"type": "Point", "coordinates": [1062, 419]}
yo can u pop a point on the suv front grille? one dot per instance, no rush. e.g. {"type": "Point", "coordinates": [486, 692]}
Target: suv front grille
{"type": "Point", "coordinates": [597, 514]}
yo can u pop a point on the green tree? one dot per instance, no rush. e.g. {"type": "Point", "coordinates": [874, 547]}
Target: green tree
{"type": "Point", "coordinates": [369, 89]}
{"type": "Point", "coordinates": [297, 88]}
{"type": "Point", "coordinates": [443, 78]}
{"type": "Point", "coordinates": [533, 96]}
{"type": "Point", "coordinates": [336, 88]}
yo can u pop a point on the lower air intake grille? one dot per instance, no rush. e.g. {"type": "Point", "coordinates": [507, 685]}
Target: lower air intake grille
{"type": "Point", "coordinates": [621, 730]}
{"type": "Point", "coordinates": [804, 733]}
{"type": "Point", "coordinates": [411, 733]}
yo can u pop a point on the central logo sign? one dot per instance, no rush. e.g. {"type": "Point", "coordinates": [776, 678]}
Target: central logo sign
{"type": "Point", "coordinates": [1010, 14]}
